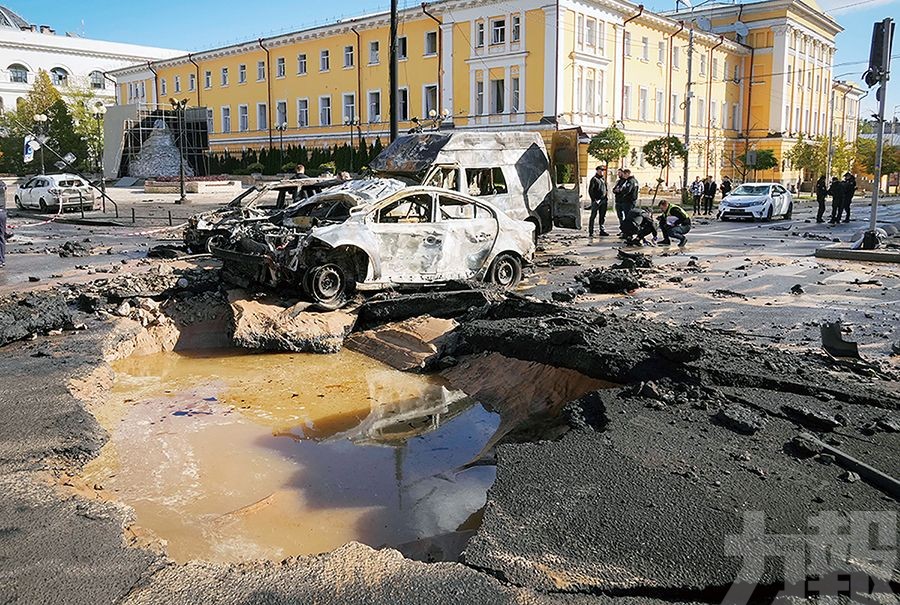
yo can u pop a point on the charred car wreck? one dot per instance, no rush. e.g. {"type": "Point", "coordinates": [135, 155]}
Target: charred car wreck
{"type": "Point", "coordinates": [374, 234]}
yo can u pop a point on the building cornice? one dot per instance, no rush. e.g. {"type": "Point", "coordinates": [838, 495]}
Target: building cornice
{"type": "Point", "coordinates": [69, 51]}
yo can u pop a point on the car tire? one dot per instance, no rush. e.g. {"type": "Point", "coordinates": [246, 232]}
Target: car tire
{"type": "Point", "coordinates": [329, 286]}
{"type": "Point", "coordinates": [505, 271]}
{"type": "Point", "coordinates": [214, 241]}
{"type": "Point", "coordinates": [42, 205]}
{"type": "Point", "coordinates": [769, 214]}
{"type": "Point", "coordinates": [790, 212]}
{"type": "Point", "coordinates": [19, 203]}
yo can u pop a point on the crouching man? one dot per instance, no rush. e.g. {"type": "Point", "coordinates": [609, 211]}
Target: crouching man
{"type": "Point", "coordinates": [637, 226]}
{"type": "Point", "coordinates": [674, 222]}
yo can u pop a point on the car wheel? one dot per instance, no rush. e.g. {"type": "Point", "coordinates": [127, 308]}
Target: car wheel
{"type": "Point", "coordinates": [769, 213]}
{"type": "Point", "coordinates": [505, 271]}
{"type": "Point", "coordinates": [790, 212]}
{"type": "Point", "coordinates": [328, 286]}
{"type": "Point", "coordinates": [724, 218]}
{"type": "Point", "coordinates": [19, 203]}
{"type": "Point", "coordinates": [215, 241]}
{"type": "Point", "coordinates": [42, 205]}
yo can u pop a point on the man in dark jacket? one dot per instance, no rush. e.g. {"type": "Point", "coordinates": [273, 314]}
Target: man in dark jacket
{"type": "Point", "coordinates": [725, 187]}
{"type": "Point", "coordinates": [709, 194]}
{"type": "Point", "coordinates": [599, 194]}
{"type": "Point", "coordinates": [674, 222]}
{"type": "Point", "coordinates": [836, 191]}
{"type": "Point", "coordinates": [821, 192]}
{"type": "Point", "coordinates": [626, 191]}
{"type": "Point", "coordinates": [637, 226]}
{"type": "Point", "coordinates": [849, 184]}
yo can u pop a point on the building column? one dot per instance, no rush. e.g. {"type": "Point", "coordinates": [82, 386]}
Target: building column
{"type": "Point", "coordinates": [552, 40]}
{"type": "Point", "coordinates": [779, 122]}
{"type": "Point", "coordinates": [447, 69]}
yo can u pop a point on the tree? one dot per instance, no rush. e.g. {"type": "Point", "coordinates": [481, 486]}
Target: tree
{"type": "Point", "coordinates": [661, 153]}
{"type": "Point", "coordinates": [765, 160]}
{"type": "Point", "coordinates": [865, 158]}
{"type": "Point", "coordinates": [808, 157]}
{"type": "Point", "coordinates": [63, 136]}
{"type": "Point", "coordinates": [608, 145]}
{"type": "Point", "coordinates": [82, 103]}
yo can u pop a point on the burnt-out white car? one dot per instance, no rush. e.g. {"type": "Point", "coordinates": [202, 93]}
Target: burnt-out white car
{"type": "Point", "coordinates": [413, 237]}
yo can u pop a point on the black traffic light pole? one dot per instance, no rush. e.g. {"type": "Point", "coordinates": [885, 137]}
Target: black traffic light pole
{"type": "Point", "coordinates": [393, 72]}
{"type": "Point", "coordinates": [879, 71]}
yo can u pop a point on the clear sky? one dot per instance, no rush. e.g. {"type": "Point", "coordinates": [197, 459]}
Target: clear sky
{"type": "Point", "coordinates": [193, 25]}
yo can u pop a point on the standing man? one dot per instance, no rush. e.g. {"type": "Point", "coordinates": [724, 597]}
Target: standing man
{"type": "Point", "coordinates": [849, 190]}
{"type": "Point", "coordinates": [836, 191]}
{"type": "Point", "coordinates": [709, 194]}
{"type": "Point", "coordinates": [697, 193]}
{"type": "Point", "coordinates": [674, 222]}
{"type": "Point", "coordinates": [620, 192]}
{"type": "Point", "coordinates": [821, 192]}
{"type": "Point", "coordinates": [599, 194]}
{"type": "Point", "coordinates": [725, 188]}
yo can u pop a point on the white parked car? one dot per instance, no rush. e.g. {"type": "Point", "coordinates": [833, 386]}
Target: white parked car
{"type": "Point", "coordinates": [757, 201]}
{"type": "Point", "coordinates": [416, 236]}
{"type": "Point", "coordinates": [49, 192]}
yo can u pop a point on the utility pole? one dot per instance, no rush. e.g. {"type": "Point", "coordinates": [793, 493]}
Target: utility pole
{"type": "Point", "coordinates": [394, 94]}
{"type": "Point", "coordinates": [888, 25]}
{"type": "Point", "coordinates": [687, 116]}
{"type": "Point", "coordinates": [830, 135]}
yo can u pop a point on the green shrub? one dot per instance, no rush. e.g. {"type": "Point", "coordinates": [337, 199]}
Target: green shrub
{"type": "Point", "coordinates": [255, 167]}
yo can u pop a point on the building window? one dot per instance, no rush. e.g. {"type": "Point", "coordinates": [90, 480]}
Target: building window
{"type": "Point", "coordinates": [579, 91]}
{"type": "Point", "coordinates": [790, 73]}
{"type": "Point", "coordinates": [702, 65]}
{"type": "Point", "coordinates": [348, 57]}
{"type": "Point", "coordinates": [479, 98]}
{"type": "Point", "coordinates": [675, 109]}
{"type": "Point", "coordinates": [715, 68]}
{"type": "Point", "coordinates": [645, 48]}
{"type": "Point", "coordinates": [479, 34]}
{"type": "Point", "coordinates": [661, 53]}
{"type": "Point", "coordinates": [735, 117]}
{"type": "Point", "coordinates": [280, 67]}
{"type": "Point", "coordinates": [713, 110]}
{"type": "Point", "coordinates": [375, 106]}
{"type": "Point", "coordinates": [226, 119]}
{"type": "Point", "coordinates": [207, 79]}
{"type": "Point", "coordinates": [643, 111]}
{"type": "Point", "coordinates": [676, 57]}
{"type": "Point", "coordinates": [498, 31]}
{"type": "Point", "coordinates": [589, 89]}
{"type": "Point", "coordinates": [590, 32]}
{"type": "Point", "coordinates": [324, 111]}
{"type": "Point", "coordinates": [210, 123]}
{"type": "Point", "coordinates": [18, 74]}
{"type": "Point", "coordinates": [262, 116]}
{"type": "Point", "coordinates": [324, 61]}
{"type": "Point", "coordinates": [430, 98]}
{"type": "Point", "coordinates": [660, 107]}
{"type": "Point", "coordinates": [242, 73]}
{"type": "Point", "coordinates": [260, 71]}
{"type": "Point", "coordinates": [224, 76]}
{"type": "Point", "coordinates": [281, 113]}
{"type": "Point", "coordinates": [402, 49]}
{"type": "Point", "coordinates": [98, 81]}
{"type": "Point", "coordinates": [177, 83]}
{"type": "Point", "coordinates": [374, 52]}
{"type": "Point", "coordinates": [192, 82]}
{"type": "Point", "coordinates": [579, 29]}
{"type": "Point", "coordinates": [243, 118]}
{"type": "Point", "coordinates": [59, 76]}
{"type": "Point", "coordinates": [142, 90]}
{"type": "Point", "coordinates": [349, 103]}
{"type": "Point", "coordinates": [516, 28]}
{"type": "Point", "coordinates": [701, 111]}
{"type": "Point", "coordinates": [431, 43]}
{"type": "Point", "coordinates": [627, 43]}
{"type": "Point", "coordinates": [626, 103]}
{"type": "Point", "coordinates": [302, 113]}
{"type": "Point", "coordinates": [402, 104]}
{"type": "Point", "coordinates": [163, 88]}
{"type": "Point", "coordinates": [516, 104]}
{"type": "Point", "coordinates": [498, 95]}
{"type": "Point", "coordinates": [301, 64]}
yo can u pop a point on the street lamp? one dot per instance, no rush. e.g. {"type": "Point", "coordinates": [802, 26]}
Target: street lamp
{"type": "Point", "coordinates": [281, 128]}
{"type": "Point", "coordinates": [99, 111]}
{"type": "Point", "coordinates": [40, 120]}
{"type": "Point", "coordinates": [179, 106]}
{"type": "Point", "coordinates": [350, 123]}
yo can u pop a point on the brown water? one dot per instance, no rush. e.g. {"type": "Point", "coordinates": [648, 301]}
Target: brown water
{"type": "Point", "coordinates": [231, 457]}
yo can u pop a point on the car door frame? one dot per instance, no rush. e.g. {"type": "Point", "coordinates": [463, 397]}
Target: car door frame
{"type": "Point", "coordinates": [779, 209]}
{"type": "Point", "coordinates": [25, 192]}
{"type": "Point", "coordinates": [459, 223]}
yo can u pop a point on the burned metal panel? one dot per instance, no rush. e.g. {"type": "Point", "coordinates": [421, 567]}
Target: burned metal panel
{"type": "Point", "coordinates": [410, 155]}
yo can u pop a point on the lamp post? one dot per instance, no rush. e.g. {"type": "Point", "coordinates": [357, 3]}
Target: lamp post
{"type": "Point", "coordinates": [40, 120]}
{"type": "Point", "coordinates": [281, 128]}
{"type": "Point", "coordinates": [99, 111]}
{"type": "Point", "coordinates": [350, 123]}
{"type": "Point", "coordinates": [179, 106]}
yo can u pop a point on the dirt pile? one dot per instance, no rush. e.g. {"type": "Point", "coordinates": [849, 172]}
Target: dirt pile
{"type": "Point", "coordinates": [25, 315]}
{"type": "Point", "coordinates": [611, 281]}
{"type": "Point", "coordinates": [409, 345]}
{"type": "Point", "coordinates": [75, 249]}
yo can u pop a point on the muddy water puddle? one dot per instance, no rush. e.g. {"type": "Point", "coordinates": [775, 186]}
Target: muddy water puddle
{"type": "Point", "coordinates": [231, 457]}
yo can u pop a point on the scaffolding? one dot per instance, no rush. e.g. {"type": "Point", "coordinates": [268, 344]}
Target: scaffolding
{"type": "Point", "coordinates": [189, 132]}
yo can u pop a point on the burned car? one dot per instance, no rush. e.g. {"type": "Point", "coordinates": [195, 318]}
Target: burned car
{"type": "Point", "coordinates": [253, 205]}
{"type": "Point", "coordinates": [409, 236]}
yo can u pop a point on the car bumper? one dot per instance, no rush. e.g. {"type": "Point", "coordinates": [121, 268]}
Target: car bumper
{"type": "Point", "coordinates": [73, 202]}
{"type": "Point", "coordinates": [752, 212]}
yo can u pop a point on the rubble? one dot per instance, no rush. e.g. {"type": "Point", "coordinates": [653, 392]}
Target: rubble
{"type": "Point", "coordinates": [633, 260]}
{"type": "Point", "coordinates": [385, 308]}
{"type": "Point", "coordinates": [25, 315]}
{"type": "Point", "coordinates": [611, 281]}
{"type": "Point", "coordinates": [740, 419]}
{"type": "Point", "coordinates": [263, 325]}
{"type": "Point", "coordinates": [74, 249]}
{"type": "Point", "coordinates": [409, 345]}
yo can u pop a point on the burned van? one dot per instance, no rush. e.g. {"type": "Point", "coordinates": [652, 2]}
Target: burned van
{"type": "Point", "coordinates": [511, 170]}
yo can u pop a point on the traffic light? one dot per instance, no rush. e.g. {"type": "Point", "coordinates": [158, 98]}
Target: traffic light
{"type": "Point", "coordinates": [878, 58]}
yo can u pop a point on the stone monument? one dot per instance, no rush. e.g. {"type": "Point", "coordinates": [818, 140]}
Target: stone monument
{"type": "Point", "coordinates": [159, 156]}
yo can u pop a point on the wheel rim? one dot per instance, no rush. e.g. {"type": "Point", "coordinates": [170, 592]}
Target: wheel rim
{"type": "Point", "coordinates": [506, 272]}
{"type": "Point", "coordinates": [328, 283]}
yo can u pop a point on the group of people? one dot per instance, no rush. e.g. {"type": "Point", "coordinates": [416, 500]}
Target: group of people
{"type": "Point", "coordinates": [703, 192]}
{"type": "Point", "coordinates": [635, 224]}
{"type": "Point", "coordinates": [841, 192]}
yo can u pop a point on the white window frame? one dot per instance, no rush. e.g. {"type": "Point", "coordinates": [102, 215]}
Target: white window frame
{"type": "Point", "coordinates": [516, 28]}
{"type": "Point", "coordinates": [497, 101]}
{"type": "Point", "coordinates": [626, 102]}
{"type": "Point", "coordinates": [643, 103]}
{"type": "Point", "coordinates": [303, 112]}
{"type": "Point", "coordinates": [402, 48]}
{"type": "Point", "coordinates": [280, 67]}
{"type": "Point", "coordinates": [210, 121]}
{"type": "Point", "coordinates": [479, 33]}
{"type": "Point", "coordinates": [376, 117]}
{"type": "Point", "coordinates": [660, 107]}
{"type": "Point", "coordinates": [349, 57]}
{"type": "Point", "coordinates": [260, 105]}
{"type": "Point", "coordinates": [260, 71]}
{"type": "Point", "coordinates": [242, 73]}
{"type": "Point", "coordinates": [515, 94]}
{"type": "Point", "coordinates": [243, 118]}
{"type": "Point", "coordinates": [403, 105]}
{"type": "Point", "coordinates": [225, 112]}
{"type": "Point", "coordinates": [676, 57]}
{"type": "Point", "coordinates": [430, 35]}
{"type": "Point", "coordinates": [479, 97]}
{"type": "Point", "coordinates": [498, 31]}
{"type": "Point", "coordinates": [375, 52]}
{"type": "Point", "coordinates": [645, 48]}
{"type": "Point", "coordinates": [353, 115]}
{"type": "Point", "coordinates": [207, 79]}
{"type": "Point", "coordinates": [301, 64]}
{"type": "Point", "coordinates": [163, 87]}
{"type": "Point", "coordinates": [437, 99]}
{"type": "Point", "coordinates": [626, 41]}
{"type": "Point", "coordinates": [661, 53]}
{"type": "Point", "coordinates": [322, 108]}
{"type": "Point", "coordinates": [324, 60]}
{"type": "Point", "coordinates": [192, 82]}
{"type": "Point", "coordinates": [224, 77]}
{"type": "Point", "coordinates": [283, 118]}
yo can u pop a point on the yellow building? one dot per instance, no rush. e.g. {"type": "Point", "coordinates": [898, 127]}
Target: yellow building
{"type": "Point", "coordinates": [528, 65]}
